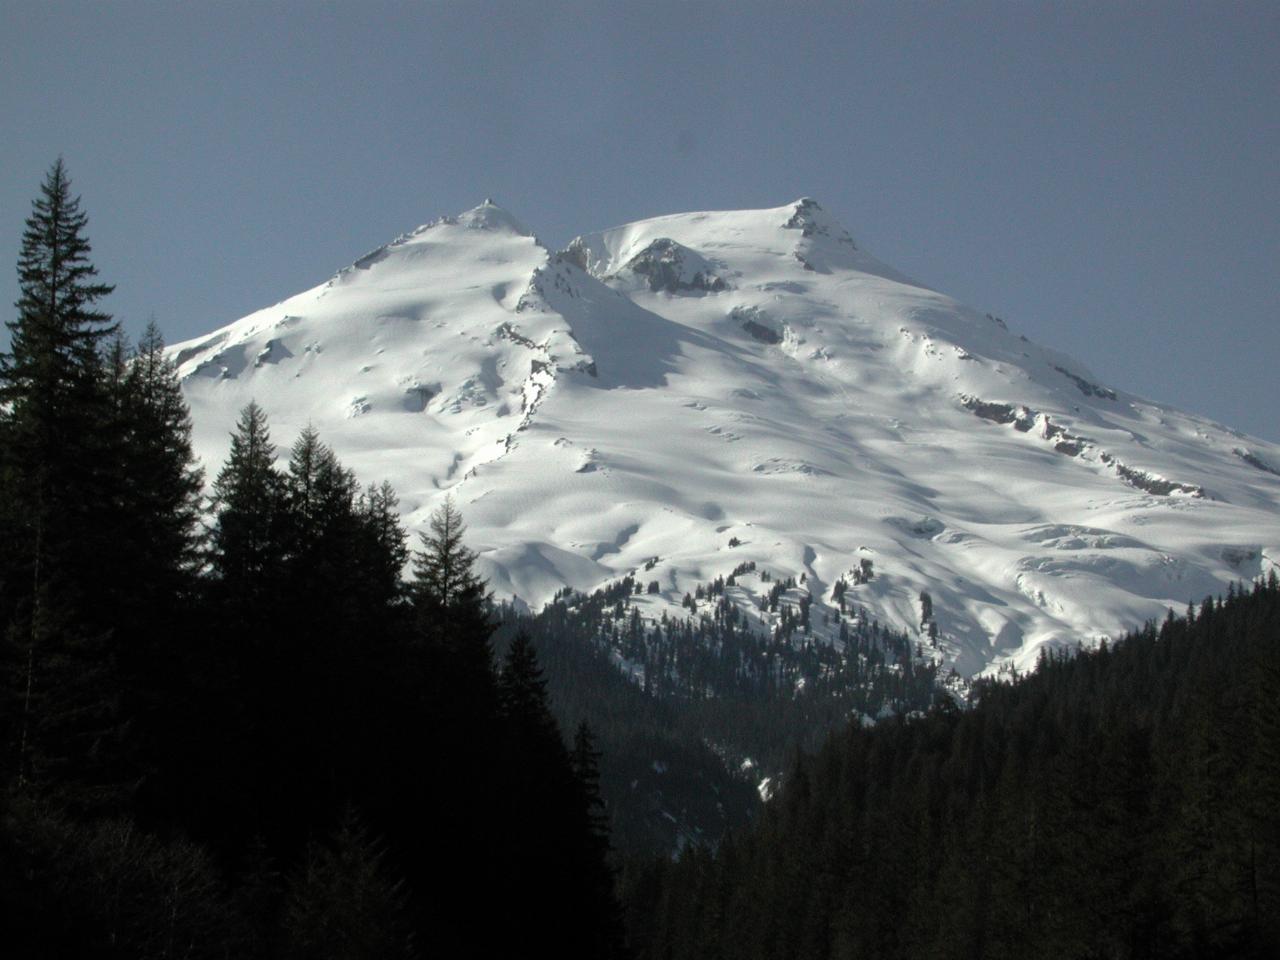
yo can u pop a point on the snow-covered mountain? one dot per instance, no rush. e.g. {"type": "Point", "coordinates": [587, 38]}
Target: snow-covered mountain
{"type": "Point", "coordinates": [682, 395]}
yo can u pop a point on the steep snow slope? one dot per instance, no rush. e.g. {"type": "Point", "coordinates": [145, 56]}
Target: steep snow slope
{"type": "Point", "coordinates": [668, 387]}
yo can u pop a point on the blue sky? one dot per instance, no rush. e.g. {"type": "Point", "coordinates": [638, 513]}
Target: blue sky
{"type": "Point", "coordinates": [1103, 176]}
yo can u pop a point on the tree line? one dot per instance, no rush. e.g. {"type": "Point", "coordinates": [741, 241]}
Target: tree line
{"type": "Point", "coordinates": [236, 729]}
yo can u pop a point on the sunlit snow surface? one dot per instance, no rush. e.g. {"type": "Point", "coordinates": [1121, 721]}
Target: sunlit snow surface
{"type": "Point", "coordinates": [660, 388]}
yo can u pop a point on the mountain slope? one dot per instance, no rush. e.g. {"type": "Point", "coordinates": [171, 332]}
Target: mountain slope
{"type": "Point", "coordinates": [674, 386]}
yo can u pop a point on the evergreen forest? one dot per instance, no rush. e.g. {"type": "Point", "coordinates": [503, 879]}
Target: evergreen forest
{"type": "Point", "coordinates": [1120, 803]}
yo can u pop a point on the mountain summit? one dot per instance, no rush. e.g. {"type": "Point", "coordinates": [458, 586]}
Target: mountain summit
{"type": "Point", "coordinates": [687, 395]}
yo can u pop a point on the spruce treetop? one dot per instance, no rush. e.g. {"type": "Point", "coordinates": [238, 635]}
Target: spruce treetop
{"type": "Point", "coordinates": [247, 495]}
{"type": "Point", "coordinates": [252, 453]}
{"type": "Point", "coordinates": [58, 330]}
{"type": "Point", "coordinates": [451, 599]}
{"type": "Point", "coordinates": [443, 572]}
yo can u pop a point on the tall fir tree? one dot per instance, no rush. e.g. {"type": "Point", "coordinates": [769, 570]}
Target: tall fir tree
{"type": "Point", "coordinates": [59, 510]}
{"type": "Point", "coordinates": [53, 400]}
{"type": "Point", "coordinates": [604, 933]}
{"type": "Point", "coordinates": [160, 487]}
{"type": "Point", "coordinates": [167, 478]}
{"type": "Point", "coordinates": [53, 392]}
{"type": "Point", "coordinates": [159, 542]}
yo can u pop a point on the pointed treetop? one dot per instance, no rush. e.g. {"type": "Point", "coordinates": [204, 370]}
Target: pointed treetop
{"type": "Point", "coordinates": [522, 692]}
{"type": "Point", "coordinates": [452, 600]}
{"type": "Point", "coordinates": [57, 336]}
{"type": "Point", "coordinates": [53, 266]}
{"type": "Point", "coordinates": [443, 567]}
{"type": "Point", "coordinates": [250, 465]}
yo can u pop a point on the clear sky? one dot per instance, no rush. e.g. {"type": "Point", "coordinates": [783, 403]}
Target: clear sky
{"type": "Point", "coordinates": [1105, 176]}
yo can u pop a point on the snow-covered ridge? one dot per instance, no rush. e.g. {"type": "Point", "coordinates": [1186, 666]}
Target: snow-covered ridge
{"type": "Point", "coordinates": [717, 388]}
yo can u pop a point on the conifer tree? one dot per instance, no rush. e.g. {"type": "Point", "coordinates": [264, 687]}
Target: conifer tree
{"type": "Point", "coordinates": [161, 488]}
{"type": "Point", "coordinates": [603, 933]}
{"type": "Point", "coordinates": [59, 511]}
{"type": "Point", "coordinates": [248, 494]}
{"type": "Point", "coordinates": [563, 864]}
{"type": "Point", "coordinates": [53, 402]}
{"type": "Point", "coordinates": [52, 390]}
{"type": "Point", "coordinates": [320, 490]}
{"type": "Point", "coordinates": [451, 603]}
{"type": "Point", "coordinates": [522, 698]}
{"type": "Point", "coordinates": [585, 759]}
{"type": "Point", "coordinates": [384, 553]}
{"type": "Point", "coordinates": [55, 349]}
{"type": "Point", "coordinates": [450, 596]}
{"type": "Point", "coordinates": [344, 905]}
{"type": "Point", "coordinates": [323, 526]}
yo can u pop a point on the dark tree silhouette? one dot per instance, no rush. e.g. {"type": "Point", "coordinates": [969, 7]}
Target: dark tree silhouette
{"type": "Point", "coordinates": [59, 512]}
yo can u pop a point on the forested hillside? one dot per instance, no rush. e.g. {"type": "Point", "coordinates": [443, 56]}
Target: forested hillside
{"type": "Point", "coordinates": [698, 716]}
{"type": "Point", "coordinates": [1123, 802]}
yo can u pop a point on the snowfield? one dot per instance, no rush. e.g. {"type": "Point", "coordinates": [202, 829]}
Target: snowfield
{"type": "Point", "coordinates": [666, 387]}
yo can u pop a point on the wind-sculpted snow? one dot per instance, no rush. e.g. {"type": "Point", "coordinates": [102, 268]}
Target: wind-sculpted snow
{"type": "Point", "coordinates": [717, 389]}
